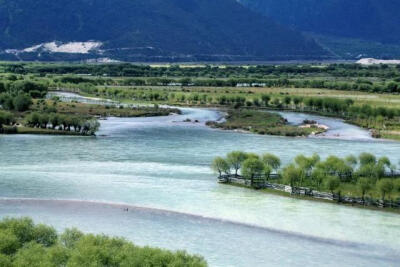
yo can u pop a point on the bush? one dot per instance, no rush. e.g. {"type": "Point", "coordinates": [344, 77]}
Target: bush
{"type": "Point", "coordinates": [5, 261]}
{"type": "Point", "coordinates": [22, 102]}
{"type": "Point", "coordinates": [332, 183]}
{"type": "Point", "coordinates": [385, 187]}
{"type": "Point", "coordinates": [6, 118]}
{"type": "Point", "coordinates": [22, 243]}
{"type": "Point", "coordinates": [252, 168]}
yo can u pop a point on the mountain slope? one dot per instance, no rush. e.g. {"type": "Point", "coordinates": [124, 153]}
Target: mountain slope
{"type": "Point", "coordinates": [151, 30]}
{"type": "Point", "coordinates": [376, 21]}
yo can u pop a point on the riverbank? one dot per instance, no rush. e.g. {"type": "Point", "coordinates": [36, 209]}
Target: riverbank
{"type": "Point", "coordinates": [272, 191]}
{"type": "Point", "coordinates": [101, 110]}
{"type": "Point", "coordinates": [54, 117]}
{"type": "Point", "coordinates": [39, 131]}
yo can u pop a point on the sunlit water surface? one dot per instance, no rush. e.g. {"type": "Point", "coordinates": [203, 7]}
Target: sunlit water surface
{"type": "Point", "coordinates": [159, 167]}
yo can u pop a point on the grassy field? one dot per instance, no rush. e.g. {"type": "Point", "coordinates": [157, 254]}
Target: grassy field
{"type": "Point", "coordinates": [373, 99]}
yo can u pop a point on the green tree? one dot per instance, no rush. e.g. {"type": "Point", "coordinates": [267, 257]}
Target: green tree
{"type": "Point", "coordinates": [33, 255]}
{"type": "Point", "coordinates": [7, 101]}
{"type": "Point", "coordinates": [318, 177]}
{"type": "Point", "coordinates": [5, 261]}
{"type": "Point", "coordinates": [351, 161]}
{"type": "Point", "coordinates": [396, 184]}
{"type": "Point", "coordinates": [367, 158]}
{"type": "Point", "coordinates": [253, 168]}
{"type": "Point", "coordinates": [6, 118]}
{"type": "Point", "coordinates": [334, 166]}
{"type": "Point", "coordinates": [23, 243]}
{"type": "Point", "coordinates": [9, 243]}
{"type": "Point", "coordinates": [364, 185]}
{"type": "Point", "coordinates": [70, 237]}
{"type": "Point", "coordinates": [292, 175]}
{"type": "Point", "coordinates": [385, 161]}
{"type": "Point", "coordinates": [54, 120]}
{"type": "Point", "coordinates": [265, 99]}
{"type": "Point", "coordinates": [252, 156]}
{"type": "Point", "coordinates": [45, 235]}
{"type": "Point", "coordinates": [332, 183]}
{"type": "Point", "coordinates": [372, 171]}
{"type": "Point", "coordinates": [272, 161]}
{"type": "Point", "coordinates": [385, 187]}
{"type": "Point", "coordinates": [235, 159]}
{"type": "Point", "coordinates": [220, 165]}
{"type": "Point", "coordinates": [307, 163]}
{"type": "Point", "coordinates": [33, 119]}
{"type": "Point", "coordinates": [22, 102]}
{"type": "Point", "coordinates": [43, 120]}
{"type": "Point", "coordinates": [287, 100]}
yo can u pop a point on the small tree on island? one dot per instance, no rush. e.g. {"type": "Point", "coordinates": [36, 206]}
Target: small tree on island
{"type": "Point", "coordinates": [235, 159]}
{"type": "Point", "coordinates": [351, 161]}
{"type": "Point", "coordinates": [332, 183]}
{"type": "Point", "coordinates": [366, 159]}
{"type": "Point", "coordinates": [292, 175]}
{"type": "Point", "coordinates": [385, 187]}
{"type": "Point", "coordinates": [220, 166]}
{"type": "Point", "coordinates": [253, 168]}
{"type": "Point", "coordinates": [364, 185]}
{"type": "Point", "coordinates": [272, 161]}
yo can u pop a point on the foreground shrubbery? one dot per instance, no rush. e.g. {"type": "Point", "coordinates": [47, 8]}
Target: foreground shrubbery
{"type": "Point", "coordinates": [22, 243]}
{"type": "Point", "coordinates": [262, 122]}
{"type": "Point", "coordinates": [357, 176]}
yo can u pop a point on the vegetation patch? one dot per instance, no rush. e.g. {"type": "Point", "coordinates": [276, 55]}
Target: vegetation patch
{"type": "Point", "coordinates": [367, 96]}
{"type": "Point", "coordinates": [22, 243]}
{"type": "Point", "coordinates": [263, 122]}
{"type": "Point", "coordinates": [363, 180]}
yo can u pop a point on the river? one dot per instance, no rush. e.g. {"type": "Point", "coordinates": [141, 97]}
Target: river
{"type": "Point", "coordinates": [159, 169]}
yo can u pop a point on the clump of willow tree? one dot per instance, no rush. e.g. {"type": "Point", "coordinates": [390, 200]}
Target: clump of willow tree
{"type": "Point", "coordinates": [69, 123]}
{"type": "Point", "coordinates": [246, 165]}
{"type": "Point", "coordinates": [365, 174]}
{"type": "Point", "coordinates": [6, 119]}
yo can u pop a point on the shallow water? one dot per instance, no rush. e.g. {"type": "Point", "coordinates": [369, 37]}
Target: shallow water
{"type": "Point", "coordinates": [224, 243]}
{"type": "Point", "coordinates": [338, 129]}
{"type": "Point", "coordinates": [162, 163]}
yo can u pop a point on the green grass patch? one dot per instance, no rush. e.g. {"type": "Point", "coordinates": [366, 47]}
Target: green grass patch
{"type": "Point", "coordinates": [262, 122]}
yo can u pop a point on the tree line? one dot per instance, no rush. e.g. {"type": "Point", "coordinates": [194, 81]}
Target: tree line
{"type": "Point", "coordinates": [6, 119]}
{"type": "Point", "coordinates": [391, 86]}
{"type": "Point", "coordinates": [69, 123]}
{"type": "Point", "coordinates": [23, 243]}
{"type": "Point", "coordinates": [260, 71]}
{"type": "Point", "coordinates": [16, 95]}
{"type": "Point", "coordinates": [333, 106]}
{"type": "Point", "coordinates": [366, 173]}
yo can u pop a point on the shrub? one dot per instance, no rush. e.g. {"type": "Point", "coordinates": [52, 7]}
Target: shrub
{"type": "Point", "coordinates": [23, 243]}
{"type": "Point", "coordinates": [22, 102]}
{"type": "Point", "coordinates": [332, 183]}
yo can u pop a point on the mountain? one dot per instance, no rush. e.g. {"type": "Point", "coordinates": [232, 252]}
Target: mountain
{"type": "Point", "coordinates": [146, 30]}
{"type": "Point", "coordinates": [364, 26]}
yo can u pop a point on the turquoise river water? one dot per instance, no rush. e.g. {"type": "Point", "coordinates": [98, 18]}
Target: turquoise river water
{"type": "Point", "coordinates": [158, 168]}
